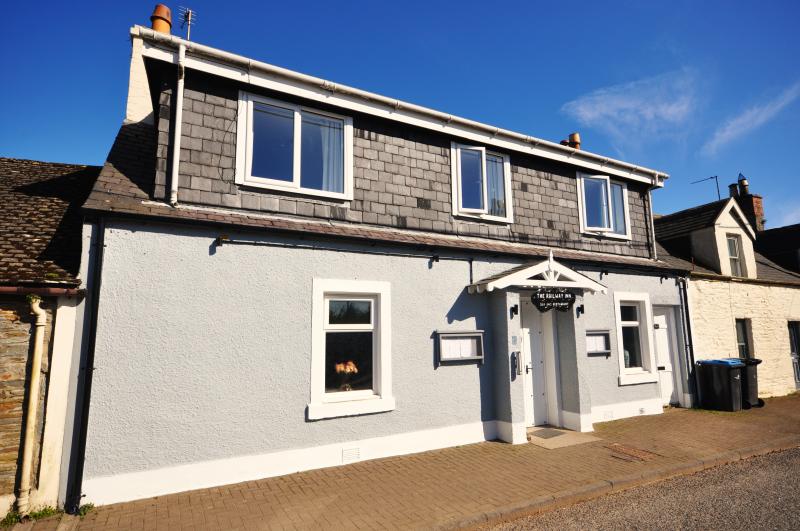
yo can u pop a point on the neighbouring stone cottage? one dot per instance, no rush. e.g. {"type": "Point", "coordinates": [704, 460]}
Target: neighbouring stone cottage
{"type": "Point", "coordinates": [40, 250]}
{"type": "Point", "coordinates": [741, 303]}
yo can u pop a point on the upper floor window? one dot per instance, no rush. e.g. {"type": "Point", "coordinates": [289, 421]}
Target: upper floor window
{"type": "Point", "coordinates": [735, 254]}
{"type": "Point", "coordinates": [481, 183]}
{"type": "Point", "coordinates": [603, 205]}
{"type": "Point", "coordinates": [292, 148]}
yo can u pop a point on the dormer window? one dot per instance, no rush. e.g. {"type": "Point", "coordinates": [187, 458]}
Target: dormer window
{"type": "Point", "coordinates": [735, 255]}
{"type": "Point", "coordinates": [481, 183]}
{"type": "Point", "coordinates": [603, 206]}
{"type": "Point", "coordinates": [292, 148]}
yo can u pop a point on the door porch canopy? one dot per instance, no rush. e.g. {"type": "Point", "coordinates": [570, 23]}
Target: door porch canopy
{"type": "Point", "coordinates": [545, 274]}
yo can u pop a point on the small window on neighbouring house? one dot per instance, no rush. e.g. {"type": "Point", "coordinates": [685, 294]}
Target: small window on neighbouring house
{"type": "Point", "coordinates": [631, 336]}
{"type": "Point", "coordinates": [603, 205]}
{"type": "Point", "coordinates": [481, 183]}
{"type": "Point", "coordinates": [598, 343]}
{"type": "Point", "coordinates": [743, 338]}
{"type": "Point", "coordinates": [735, 255]}
{"type": "Point", "coordinates": [794, 348]}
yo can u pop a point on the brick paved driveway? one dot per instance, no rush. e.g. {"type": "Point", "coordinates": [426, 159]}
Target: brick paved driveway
{"type": "Point", "coordinates": [467, 484]}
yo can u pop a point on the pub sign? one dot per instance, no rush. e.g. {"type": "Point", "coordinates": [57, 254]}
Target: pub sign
{"type": "Point", "coordinates": [546, 299]}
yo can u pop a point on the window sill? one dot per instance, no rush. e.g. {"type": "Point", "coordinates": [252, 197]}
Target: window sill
{"type": "Point", "coordinates": [483, 217]}
{"type": "Point", "coordinates": [357, 406]}
{"type": "Point", "coordinates": [258, 183]}
{"type": "Point", "coordinates": [637, 377]}
{"type": "Point", "coordinates": [607, 235]}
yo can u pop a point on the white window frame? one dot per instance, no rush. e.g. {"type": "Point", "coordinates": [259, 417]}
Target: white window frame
{"type": "Point", "coordinates": [738, 241]}
{"type": "Point", "coordinates": [324, 405]}
{"type": "Point", "coordinates": [602, 231]}
{"type": "Point", "coordinates": [455, 173]}
{"type": "Point", "coordinates": [244, 149]}
{"type": "Point", "coordinates": [648, 373]}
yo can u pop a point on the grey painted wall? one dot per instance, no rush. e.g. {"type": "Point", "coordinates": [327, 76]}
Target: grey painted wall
{"type": "Point", "coordinates": [599, 380]}
{"type": "Point", "coordinates": [204, 352]}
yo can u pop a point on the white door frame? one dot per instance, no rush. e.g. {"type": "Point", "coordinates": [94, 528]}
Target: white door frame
{"type": "Point", "coordinates": [675, 352]}
{"type": "Point", "coordinates": [549, 348]}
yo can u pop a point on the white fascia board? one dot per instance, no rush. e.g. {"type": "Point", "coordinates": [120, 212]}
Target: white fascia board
{"type": "Point", "coordinates": [733, 205]}
{"type": "Point", "coordinates": [260, 74]}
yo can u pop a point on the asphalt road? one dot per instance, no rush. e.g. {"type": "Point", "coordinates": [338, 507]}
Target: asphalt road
{"type": "Point", "coordinates": [758, 493]}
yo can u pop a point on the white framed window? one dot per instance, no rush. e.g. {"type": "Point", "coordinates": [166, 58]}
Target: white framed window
{"type": "Point", "coordinates": [288, 147]}
{"type": "Point", "coordinates": [481, 183]}
{"type": "Point", "coordinates": [598, 343]}
{"type": "Point", "coordinates": [351, 349]}
{"type": "Point", "coordinates": [735, 255]}
{"type": "Point", "coordinates": [603, 206]}
{"type": "Point", "coordinates": [635, 338]}
{"type": "Point", "coordinates": [743, 335]}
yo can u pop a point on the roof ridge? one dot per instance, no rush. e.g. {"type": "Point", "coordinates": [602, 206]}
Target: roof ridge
{"type": "Point", "coordinates": [686, 210]}
{"type": "Point", "coordinates": [35, 161]}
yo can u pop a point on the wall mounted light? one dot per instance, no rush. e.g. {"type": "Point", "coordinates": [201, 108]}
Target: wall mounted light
{"type": "Point", "coordinates": [514, 310]}
{"type": "Point", "coordinates": [579, 310]}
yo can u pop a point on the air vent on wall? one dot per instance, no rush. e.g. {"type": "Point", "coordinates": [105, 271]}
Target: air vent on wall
{"type": "Point", "coordinates": [351, 455]}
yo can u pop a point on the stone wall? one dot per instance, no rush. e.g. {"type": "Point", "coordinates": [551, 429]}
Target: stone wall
{"type": "Point", "coordinates": [16, 334]}
{"type": "Point", "coordinates": [401, 177]}
{"type": "Point", "coordinates": [715, 306]}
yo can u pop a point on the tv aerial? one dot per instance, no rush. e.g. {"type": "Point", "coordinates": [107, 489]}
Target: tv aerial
{"type": "Point", "coordinates": [188, 17]}
{"type": "Point", "coordinates": [716, 179]}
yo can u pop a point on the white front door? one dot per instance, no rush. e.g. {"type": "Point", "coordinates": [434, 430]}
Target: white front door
{"type": "Point", "coordinates": [666, 344]}
{"type": "Point", "coordinates": [534, 365]}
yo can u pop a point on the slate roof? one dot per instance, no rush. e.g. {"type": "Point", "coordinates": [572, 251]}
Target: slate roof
{"type": "Point", "coordinates": [782, 245]}
{"type": "Point", "coordinates": [124, 187]}
{"type": "Point", "coordinates": [683, 223]}
{"type": "Point", "coordinates": [40, 221]}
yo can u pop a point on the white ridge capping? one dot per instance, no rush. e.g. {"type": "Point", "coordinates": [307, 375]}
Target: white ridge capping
{"type": "Point", "coordinates": [203, 58]}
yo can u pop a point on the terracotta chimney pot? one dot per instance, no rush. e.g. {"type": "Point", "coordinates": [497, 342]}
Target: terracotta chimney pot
{"type": "Point", "coordinates": [575, 140]}
{"type": "Point", "coordinates": [161, 19]}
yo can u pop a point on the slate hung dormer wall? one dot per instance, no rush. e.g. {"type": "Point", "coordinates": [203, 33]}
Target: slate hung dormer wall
{"type": "Point", "coordinates": [402, 176]}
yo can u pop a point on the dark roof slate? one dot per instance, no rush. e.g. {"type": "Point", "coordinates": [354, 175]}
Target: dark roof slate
{"type": "Point", "coordinates": [125, 187]}
{"type": "Point", "coordinates": [40, 220]}
{"type": "Point", "coordinates": [684, 222]}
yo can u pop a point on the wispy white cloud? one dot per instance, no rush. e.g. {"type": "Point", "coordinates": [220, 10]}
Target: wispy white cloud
{"type": "Point", "coordinates": [786, 214]}
{"type": "Point", "coordinates": [750, 120]}
{"type": "Point", "coordinates": [634, 113]}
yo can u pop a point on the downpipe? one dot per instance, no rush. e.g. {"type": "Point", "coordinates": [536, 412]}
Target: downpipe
{"type": "Point", "coordinates": [177, 129]}
{"type": "Point", "coordinates": [24, 497]}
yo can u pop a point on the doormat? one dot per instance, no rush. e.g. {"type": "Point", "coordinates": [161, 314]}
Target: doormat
{"type": "Point", "coordinates": [547, 433]}
{"type": "Point", "coordinates": [629, 453]}
{"type": "Point", "coordinates": [552, 438]}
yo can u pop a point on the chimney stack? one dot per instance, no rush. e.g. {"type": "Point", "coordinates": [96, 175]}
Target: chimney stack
{"type": "Point", "coordinates": [161, 19]}
{"type": "Point", "coordinates": [751, 204]}
{"type": "Point", "coordinates": [574, 141]}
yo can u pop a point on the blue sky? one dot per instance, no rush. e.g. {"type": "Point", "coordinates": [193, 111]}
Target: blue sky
{"type": "Point", "coordinates": [691, 88]}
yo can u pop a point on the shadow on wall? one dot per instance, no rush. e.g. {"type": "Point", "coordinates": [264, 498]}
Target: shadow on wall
{"type": "Point", "coordinates": [468, 307]}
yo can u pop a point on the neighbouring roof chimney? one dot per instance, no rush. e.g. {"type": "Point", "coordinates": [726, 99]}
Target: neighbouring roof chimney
{"type": "Point", "coordinates": [161, 19]}
{"type": "Point", "coordinates": [751, 204]}
{"type": "Point", "coordinates": [733, 189]}
{"type": "Point", "coordinates": [574, 141]}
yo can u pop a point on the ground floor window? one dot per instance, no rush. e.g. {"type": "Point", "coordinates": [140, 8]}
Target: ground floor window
{"type": "Point", "coordinates": [743, 338]}
{"type": "Point", "coordinates": [351, 348]}
{"type": "Point", "coordinates": [794, 345]}
{"type": "Point", "coordinates": [635, 338]}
